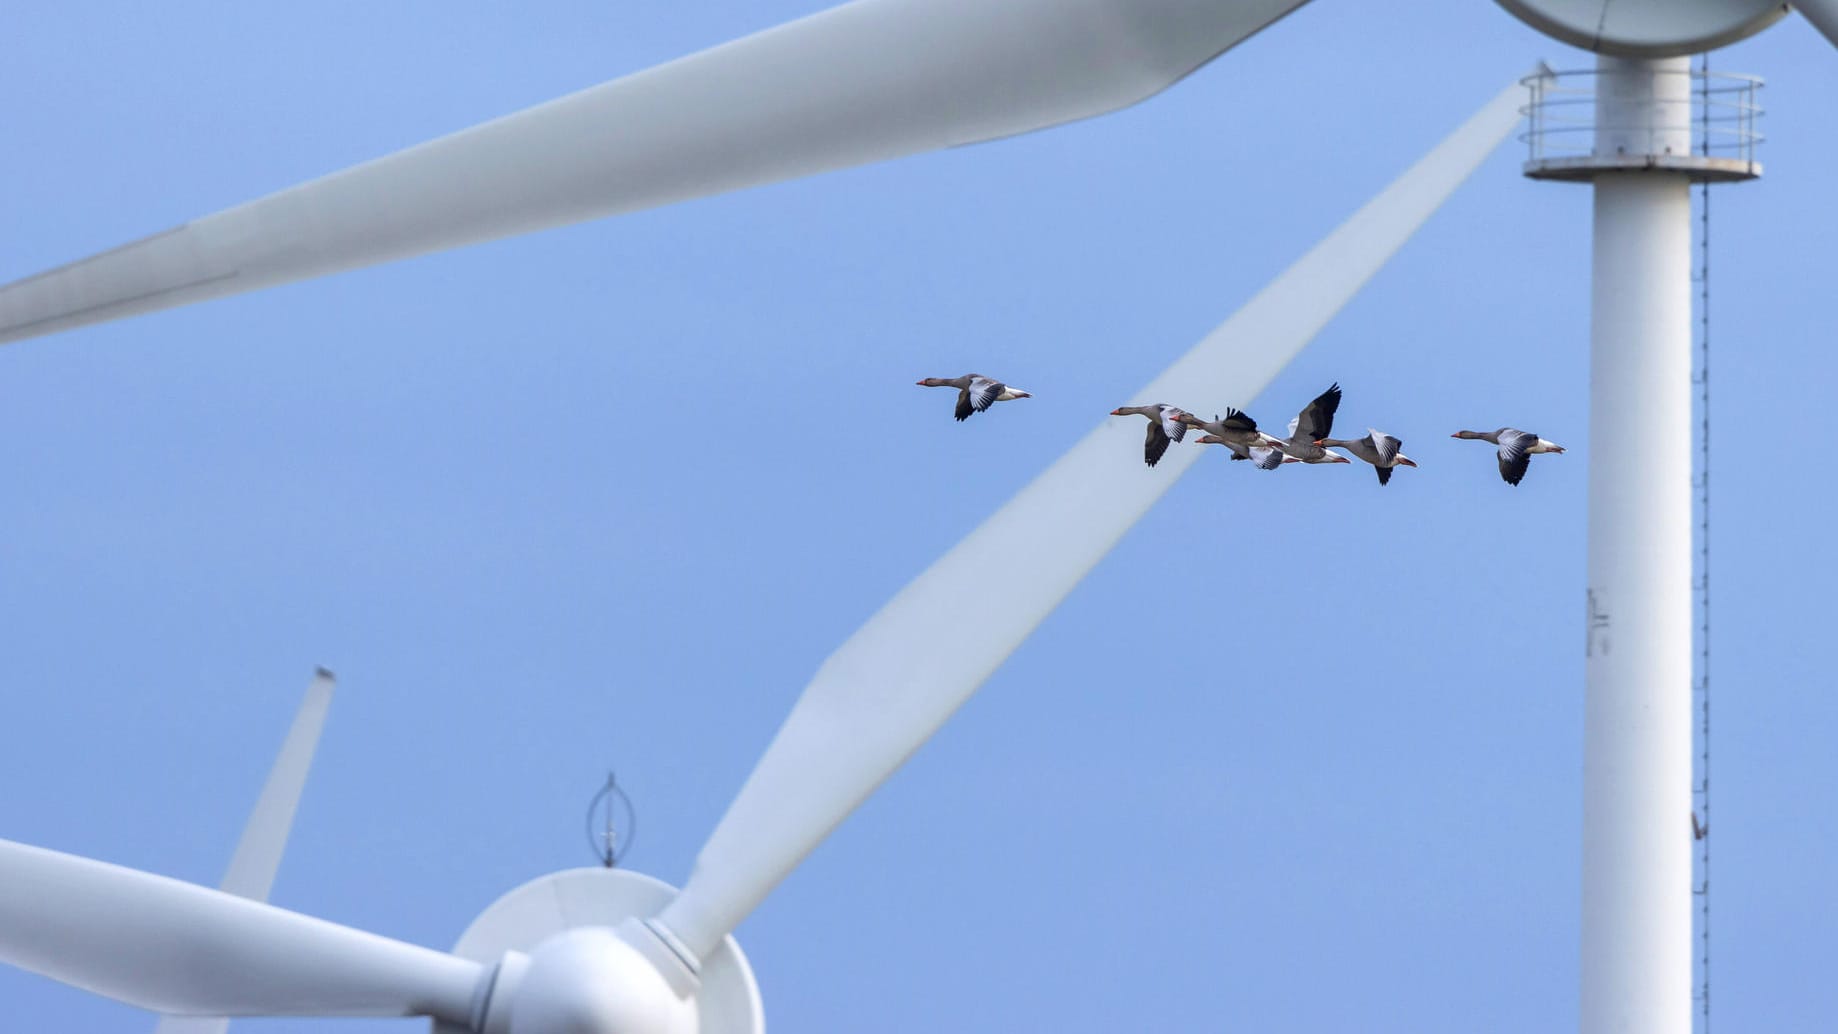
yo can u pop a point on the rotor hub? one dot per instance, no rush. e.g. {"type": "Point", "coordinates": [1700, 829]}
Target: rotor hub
{"type": "Point", "coordinates": [589, 981]}
{"type": "Point", "coordinates": [572, 943]}
{"type": "Point", "coordinates": [1667, 29]}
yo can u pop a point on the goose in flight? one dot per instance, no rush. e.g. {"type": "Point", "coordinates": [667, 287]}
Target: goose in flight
{"type": "Point", "coordinates": [1316, 421]}
{"type": "Point", "coordinates": [1234, 426]}
{"type": "Point", "coordinates": [1377, 448]}
{"type": "Point", "coordinates": [1516, 449]}
{"type": "Point", "coordinates": [1165, 425]}
{"type": "Point", "coordinates": [1268, 457]}
{"type": "Point", "coordinates": [975, 392]}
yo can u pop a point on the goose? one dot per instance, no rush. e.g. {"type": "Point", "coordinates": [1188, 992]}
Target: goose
{"type": "Point", "coordinates": [1377, 448]}
{"type": "Point", "coordinates": [1165, 425]}
{"type": "Point", "coordinates": [1314, 422]}
{"type": "Point", "coordinates": [975, 392]}
{"type": "Point", "coordinates": [1262, 454]}
{"type": "Point", "coordinates": [1516, 449]}
{"type": "Point", "coordinates": [1266, 457]}
{"type": "Point", "coordinates": [1235, 426]}
{"type": "Point", "coordinates": [1327, 456]}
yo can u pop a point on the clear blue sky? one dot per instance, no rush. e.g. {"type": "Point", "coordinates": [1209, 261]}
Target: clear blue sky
{"type": "Point", "coordinates": [608, 495]}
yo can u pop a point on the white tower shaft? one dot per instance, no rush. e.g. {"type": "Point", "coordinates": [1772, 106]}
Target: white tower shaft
{"type": "Point", "coordinates": [1636, 880]}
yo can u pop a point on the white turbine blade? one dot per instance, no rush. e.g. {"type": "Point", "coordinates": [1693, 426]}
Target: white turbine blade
{"type": "Point", "coordinates": [894, 682]}
{"type": "Point", "coordinates": [192, 1025]}
{"type": "Point", "coordinates": [258, 853]}
{"type": "Point", "coordinates": [264, 839]}
{"type": "Point", "coordinates": [867, 81]}
{"type": "Point", "coordinates": [1823, 14]}
{"type": "Point", "coordinates": [175, 947]}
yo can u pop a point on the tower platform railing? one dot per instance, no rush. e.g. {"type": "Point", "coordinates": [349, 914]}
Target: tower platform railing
{"type": "Point", "coordinates": [1721, 121]}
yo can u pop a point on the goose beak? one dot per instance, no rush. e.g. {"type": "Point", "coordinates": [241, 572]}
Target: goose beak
{"type": "Point", "coordinates": [1117, 412]}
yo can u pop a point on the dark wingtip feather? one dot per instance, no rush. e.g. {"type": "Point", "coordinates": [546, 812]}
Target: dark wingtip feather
{"type": "Point", "coordinates": [1236, 419]}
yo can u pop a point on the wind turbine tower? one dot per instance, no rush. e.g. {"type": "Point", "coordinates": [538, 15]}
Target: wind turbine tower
{"type": "Point", "coordinates": [1638, 157]}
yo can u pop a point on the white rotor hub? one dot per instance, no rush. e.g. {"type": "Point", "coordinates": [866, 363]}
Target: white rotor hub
{"type": "Point", "coordinates": [589, 981]}
{"type": "Point", "coordinates": [1665, 29]}
{"type": "Point", "coordinates": [568, 962]}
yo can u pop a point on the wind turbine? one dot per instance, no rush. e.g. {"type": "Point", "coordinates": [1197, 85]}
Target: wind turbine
{"type": "Point", "coordinates": [138, 278]}
{"type": "Point", "coordinates": [624, 951]}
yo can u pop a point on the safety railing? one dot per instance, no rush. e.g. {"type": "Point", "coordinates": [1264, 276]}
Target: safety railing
{"type": "Point", "coordinates": [1720, 118]}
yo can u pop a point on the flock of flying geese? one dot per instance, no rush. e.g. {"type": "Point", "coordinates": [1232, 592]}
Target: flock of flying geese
{"type": "Point", "coordinates": [1307, 441]}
